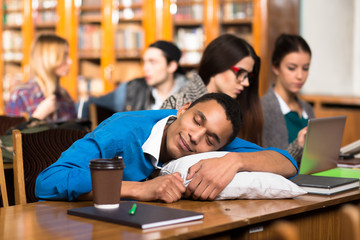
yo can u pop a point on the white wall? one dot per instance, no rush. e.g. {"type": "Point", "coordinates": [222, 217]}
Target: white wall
{"type": "Point", "coordinates": [332, 29]}
{"type": "Point", "coordinates": [356, 58]}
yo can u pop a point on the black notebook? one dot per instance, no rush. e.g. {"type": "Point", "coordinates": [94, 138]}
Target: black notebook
{"type": "Point", "coordinates": [325, 185]}
{"type": "Point", "coordinates": [146, 216]}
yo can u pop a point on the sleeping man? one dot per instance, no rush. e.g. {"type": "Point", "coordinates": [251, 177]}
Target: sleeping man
{"type": "Point", "coordinates": [148, 139]}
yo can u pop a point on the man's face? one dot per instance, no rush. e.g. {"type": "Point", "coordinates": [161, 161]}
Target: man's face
{"type": "Point", "coordinates": [201, 128]}
{"type": "Point", "coordinates": [155, 67]}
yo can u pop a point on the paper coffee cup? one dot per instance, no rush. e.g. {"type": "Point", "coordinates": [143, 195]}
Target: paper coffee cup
{"type": "Point", "coordinates": [106, 179]}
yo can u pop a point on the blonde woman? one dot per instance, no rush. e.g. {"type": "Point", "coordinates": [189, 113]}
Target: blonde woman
{"type": "Point", "coordinates": [41, 96]}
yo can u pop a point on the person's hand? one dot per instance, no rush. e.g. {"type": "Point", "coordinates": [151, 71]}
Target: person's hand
{"type": "Point", "coordinates": [301, 137]}
{"type": "Point", "coordinates": [210, 177]}
{"type": "Point", "coordinates": [168, 188]}
{"type": "Point", "coordinates": [45, 108]}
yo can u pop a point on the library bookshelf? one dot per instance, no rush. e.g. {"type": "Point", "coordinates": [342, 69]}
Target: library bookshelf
{"type": "Point", "coordinates": [108, 37]}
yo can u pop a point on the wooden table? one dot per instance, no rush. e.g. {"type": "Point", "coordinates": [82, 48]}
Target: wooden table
{"type": "Point", "coordinates": [316, 216]}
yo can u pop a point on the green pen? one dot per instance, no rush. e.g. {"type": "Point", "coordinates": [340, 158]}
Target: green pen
{"type": "Point", "coordinates": [133, 209]}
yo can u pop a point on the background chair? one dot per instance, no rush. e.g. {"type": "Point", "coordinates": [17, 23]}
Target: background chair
{"type": "Point", "coordinates": [7, 122]}
{"type": "Point", "coordinates": [33, 152]}
{"type": "Point", "coordinates": [350, 222]}
{"type": "Point", "coordinates": [4, 195]}
{"type": "Point", "coordinates": [98, 114]}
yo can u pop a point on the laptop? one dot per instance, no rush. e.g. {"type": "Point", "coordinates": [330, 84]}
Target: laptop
{"type": "Point", "coordinates": [322, 144]}
{"type": "Point", "coordinates": [322, 148]}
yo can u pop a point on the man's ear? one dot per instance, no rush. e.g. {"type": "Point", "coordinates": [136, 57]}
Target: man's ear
{"type": "Point", "coordinates": [183, 109]}
{"type": "Point", "coordinates": [173, 65]}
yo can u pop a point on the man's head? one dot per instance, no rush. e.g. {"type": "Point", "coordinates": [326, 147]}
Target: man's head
{"type": "Point", "coordinates": [161, 61]}
{"type": "Point", "coordinates": [208, 124]}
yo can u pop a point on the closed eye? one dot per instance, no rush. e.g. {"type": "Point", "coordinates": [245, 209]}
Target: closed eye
{"type": "Point", "coordinates": [291, 68]}
{"type": "Point", "coordinates": [196, 122]}
{"type": "Point", "coordinates": [209, 142]}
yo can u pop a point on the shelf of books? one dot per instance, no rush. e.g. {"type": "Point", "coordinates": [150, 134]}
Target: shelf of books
{"type": "Point", "coordinates": [12, 51]}
{"type": "Point", "coordinates": [89, 49]}
{"type": "Point", "coordinates": [129, 40]}
{"type": "Point", "coordinates": [21, 22]}
{"type": "Point", "coordinates": [189, 33]}
{"type": "Point", "coordinates": [107, 38]}
{"type": "Point", "coordinates": [237, 18]}
{"type": "Point", "coordinates": [110, 47]}
{"type": "Point", "coordinates": [44, 15]}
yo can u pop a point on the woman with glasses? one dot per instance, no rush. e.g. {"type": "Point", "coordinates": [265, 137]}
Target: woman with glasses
{"type": "Point", "coordinates": [228, 65]}
{"type": "Point", "coordinates": [285, 114]}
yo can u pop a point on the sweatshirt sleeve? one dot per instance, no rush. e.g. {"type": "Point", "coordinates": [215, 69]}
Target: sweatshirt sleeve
{"type": "Point", "coordinates": [69, 177]}
{"type": "Point", "coordinates": [240, 145]}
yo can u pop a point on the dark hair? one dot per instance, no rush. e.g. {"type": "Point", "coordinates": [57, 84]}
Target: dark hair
{"type": "Point", "coordinates": [288, 43]}
{"type": "Point", "coordinates": [231, 107]}
{"type": "Point", "coordinates": [170, 51]}
{"type": "Point", "coordinates": [220, 55]}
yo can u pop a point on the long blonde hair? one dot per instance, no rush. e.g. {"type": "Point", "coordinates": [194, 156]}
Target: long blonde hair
{"type": "Point", "coordinates": [47, 53]}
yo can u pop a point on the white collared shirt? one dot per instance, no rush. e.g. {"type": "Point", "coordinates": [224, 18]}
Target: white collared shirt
{"type": "Point", "coordinates": [153, 143]}
{"type": "Point", "coordinates": [285, 108]}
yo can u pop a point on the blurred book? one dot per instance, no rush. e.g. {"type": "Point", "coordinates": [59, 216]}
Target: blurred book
{"type": "Point", "coordinates": [349, 163]}
{"type": "Point", "coordinates": [352, 148]}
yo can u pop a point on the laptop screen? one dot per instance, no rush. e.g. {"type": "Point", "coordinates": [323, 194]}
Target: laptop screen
{"type": "Point", "coordinates": [322, 144]}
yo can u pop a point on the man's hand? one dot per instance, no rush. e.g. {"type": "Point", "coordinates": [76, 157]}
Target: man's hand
{"type": "Point", "coordinates": [45, 108]}
{"type": "Point", "coordinates": [210, 177]}
{"type": "Point", "coordinates": [167, 188]}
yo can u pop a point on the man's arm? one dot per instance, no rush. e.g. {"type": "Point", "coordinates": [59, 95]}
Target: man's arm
{"type": "Point", "coordinates": [114, 100]}
{"type": "Point", "coordinates": [167, 188]}
{"type": "Point", "coordinates": [211, 176]}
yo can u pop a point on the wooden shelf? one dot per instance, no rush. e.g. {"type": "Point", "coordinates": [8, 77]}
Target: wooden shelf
{"type": "Point", "coordinates": [90, 19]}
{"type": "Point", "coordinates": [128, 54]}
{"type": "Point", "coordinates": [12, 27]}
{"type": "Point", "coordinates": [90, 8]}
{"type": "Point", "coordinates": [16, 62]}
{"type": "Point", "coordinates": [129, 20]}
{"type": "Point", "coordinates": [42, 9]}
{"type": "Point", "coordinates": [6, 11]}
{"type": "Point", "coordinates": [187, 23]}
{"type": "Point", "coordinates": [189, 66]}
{"type": "Point", "coordinates": [45, 25]}
{"type": "Point", "coordinates": [189, 3]}
{"type": "Point", "coordinates": [133, 6]}
{"type": "Point", "coordinates": [237, 21]}
{"type": "Point", "coordinates": [236, 1]}
{"type": "Point", "coordinates": [89, 54]}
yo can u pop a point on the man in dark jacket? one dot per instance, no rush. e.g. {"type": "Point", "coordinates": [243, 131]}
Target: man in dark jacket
{"type": "Point", "coordinates": [163, 77]}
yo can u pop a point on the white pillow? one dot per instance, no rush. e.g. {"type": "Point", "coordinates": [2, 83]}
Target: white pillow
{"type": "Point", "coordinates": [245, 185]}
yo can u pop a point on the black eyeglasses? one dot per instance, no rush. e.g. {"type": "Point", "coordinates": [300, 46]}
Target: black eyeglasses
{"type": "Point", "coordinates": [242, 74]}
